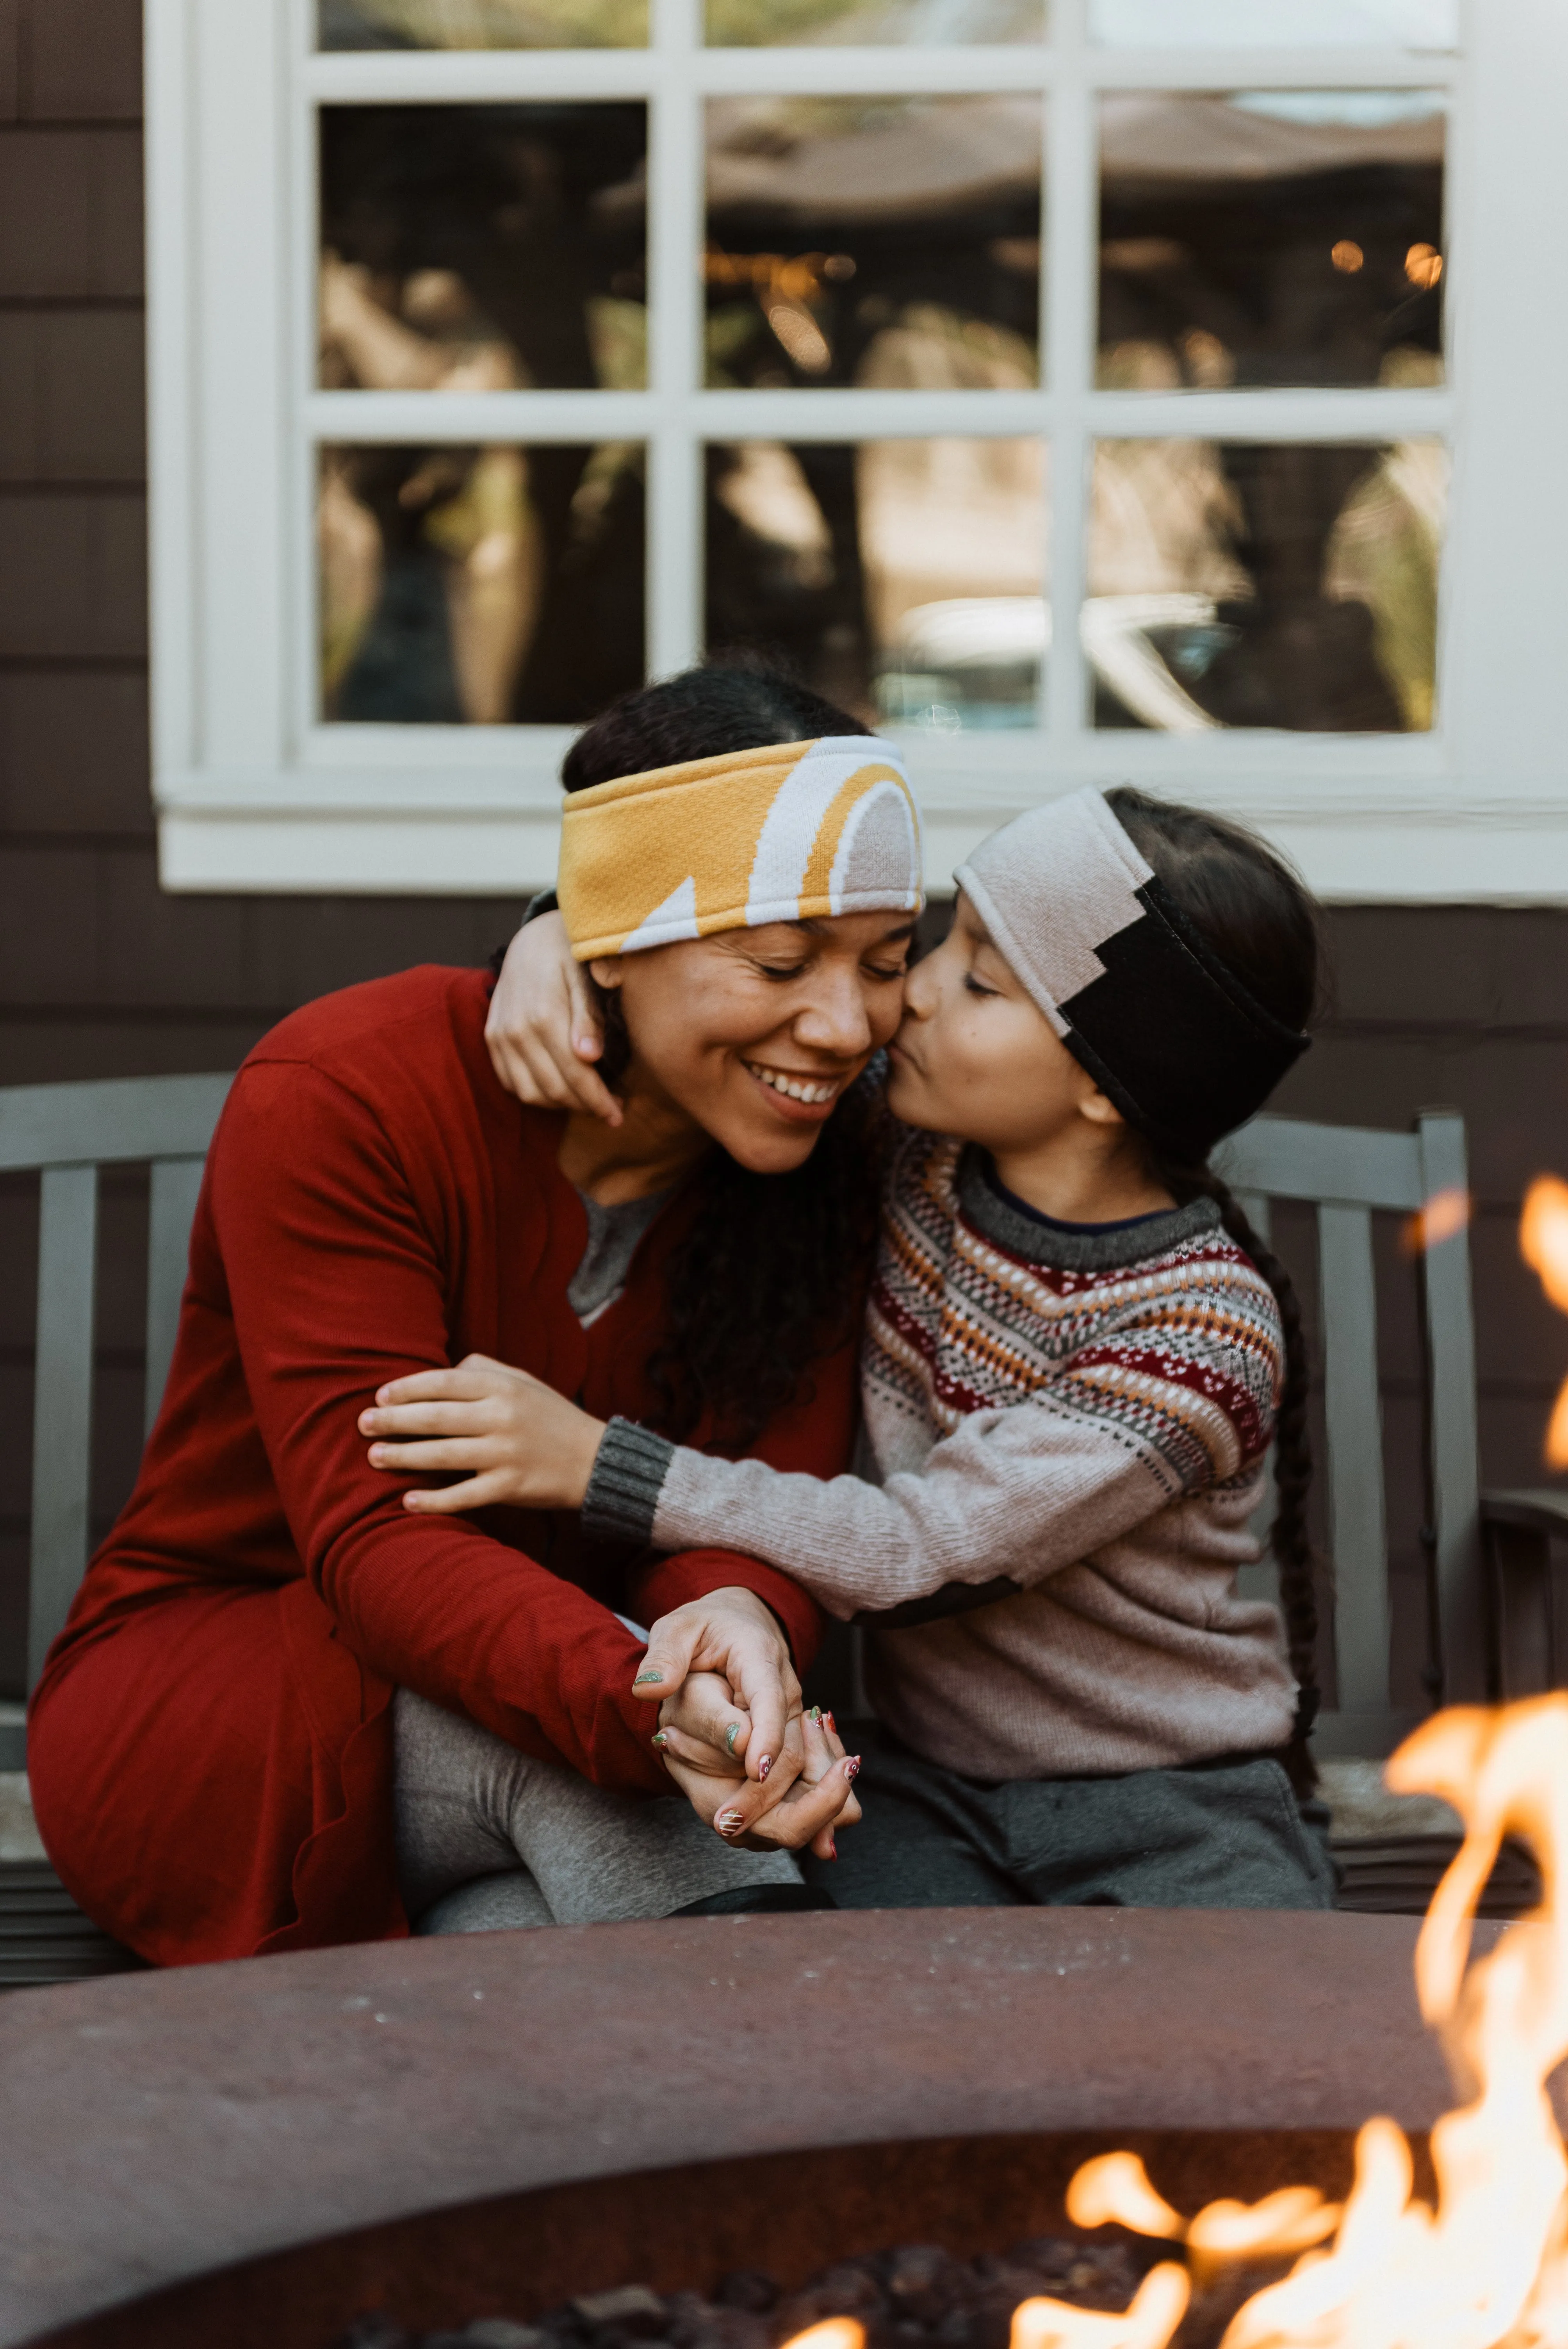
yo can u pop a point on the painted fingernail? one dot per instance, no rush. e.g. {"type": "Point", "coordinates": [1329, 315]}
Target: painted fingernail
{"type": "Point", "coordinates": [852, 1766]}
{"type": "Point", "coordinates": [832, 1848]}
{"type": "Point", "coordinates": [815, 1714]}
{"type": "Point", "coordinates": [730, 1734]}
{"type": "Point", "coordinates": [643, 1678]}
{"type": "Point", "coordinates": [763, 1767]}
{"type": "Point", "coordinates": [659, 1737]}
{"type": "Point", "coordinates": [727, 1821]}
{"type": "Point", "coordinates": [831, 1723]}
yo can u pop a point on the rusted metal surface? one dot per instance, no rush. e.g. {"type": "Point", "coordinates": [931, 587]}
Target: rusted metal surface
{"type": "Point", "coordinates": [157, 2127]}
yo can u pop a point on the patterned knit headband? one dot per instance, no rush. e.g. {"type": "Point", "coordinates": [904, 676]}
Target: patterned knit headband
{"type": "Point", "coordinates": [1185, 1051]}
{"type": "Point", "coordinates": [794, 832]}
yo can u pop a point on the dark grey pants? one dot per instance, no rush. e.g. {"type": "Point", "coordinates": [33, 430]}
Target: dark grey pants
{"type": "Point", "coordinates": [1214, 1835]}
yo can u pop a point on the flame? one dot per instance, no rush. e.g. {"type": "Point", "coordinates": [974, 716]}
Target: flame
{"type": "Point", "coordinates": [1441, 1217]}
{"type": "Point", "coordinates": [1485, 2266]}
{"type": "Point", "coordinates": [1543, 1244]}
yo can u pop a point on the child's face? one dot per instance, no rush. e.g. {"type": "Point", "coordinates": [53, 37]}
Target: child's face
{"type": "Point", "coordinates": [975, 1057]}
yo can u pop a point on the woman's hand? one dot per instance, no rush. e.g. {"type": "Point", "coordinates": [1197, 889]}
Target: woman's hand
{"type": "Point", "coordinates": [542, 1029]}
{"type": "Point", "coordinates": [733, 1637]}
{"type": "Point", "coordinates": [514, 1438]}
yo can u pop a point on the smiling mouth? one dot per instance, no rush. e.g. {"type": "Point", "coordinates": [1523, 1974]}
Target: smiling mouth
{"type": "Point", "coordinates": [812, 1092]}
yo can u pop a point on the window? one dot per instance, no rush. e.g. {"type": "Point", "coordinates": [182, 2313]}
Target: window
{"type": "Point", "coordinates": [1085, 389]}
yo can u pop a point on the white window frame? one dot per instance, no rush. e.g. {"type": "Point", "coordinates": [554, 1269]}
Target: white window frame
{"type": "Point", "coordinates": [253, 794]}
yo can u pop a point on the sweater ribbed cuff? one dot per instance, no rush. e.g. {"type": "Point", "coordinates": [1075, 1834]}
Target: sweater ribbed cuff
{"type": "Point", "coordinates": [629, 1471]}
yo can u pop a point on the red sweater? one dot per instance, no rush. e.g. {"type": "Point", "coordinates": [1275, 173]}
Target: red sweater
{"type": "Point", "coordinates": [209, 1744]}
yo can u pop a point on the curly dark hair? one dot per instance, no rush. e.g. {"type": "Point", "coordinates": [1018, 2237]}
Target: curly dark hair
{"type": "Point", "coordinates": [1260, 921]}
{"type": "Point", "coordinates": [773, 1270]}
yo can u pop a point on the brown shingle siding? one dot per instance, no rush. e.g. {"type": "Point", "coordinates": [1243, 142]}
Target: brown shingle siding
{"type": "Point", "coordinates": [73, 404]}
{"type": "Point", "coordinates": [81, 60]}
{"type": "Point", "coordinates": [74, 754]}
{"type": "Point", "coordinates": [70, 214]}
{"type": "Point", "coordinates": [73, 576]}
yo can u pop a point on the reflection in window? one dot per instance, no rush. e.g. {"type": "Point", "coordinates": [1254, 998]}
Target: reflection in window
{"type": "Point", "coordinates": [905, 579]}
{"type": "Point", "coordinates": [884, 242]}
{"type": "Point", "coordinates": [783, 24]}
{"type": "Point", "coordinates": [1264, 585]}
{"type": "Point", "coordinates": [1275, 24]}
{"type": "Point", "coordinates": [482, 24]}
{"type": "Point", "coordinates": [1273, 237]}
{"type": "Point", "coordinates": [479, 586]}
{"type": "Point", "coordinates": [483, 248]}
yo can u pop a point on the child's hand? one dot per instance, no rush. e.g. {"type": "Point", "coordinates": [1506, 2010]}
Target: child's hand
{"type": "Point", "coordinates": [516, 1439]}
{"type": "Point", "coordinates": [544, 1029]}
{"type": "Point", "coordinates": [817, 1781]}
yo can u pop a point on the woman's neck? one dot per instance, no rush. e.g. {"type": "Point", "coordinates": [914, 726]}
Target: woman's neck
{"type": "Point", "coordinates": [654, 1147]}
{"type": "Point", "coordinates": [1076, 1179]}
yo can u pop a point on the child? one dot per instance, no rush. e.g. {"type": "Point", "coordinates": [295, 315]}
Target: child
{"type": "Point", "coordinates": [1076, 1357]}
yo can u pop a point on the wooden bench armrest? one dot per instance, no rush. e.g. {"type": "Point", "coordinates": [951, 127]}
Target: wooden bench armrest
{"type": "Point", "coordinates": [1543, 1511]}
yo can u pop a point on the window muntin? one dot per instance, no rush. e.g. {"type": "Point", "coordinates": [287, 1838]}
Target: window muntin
{"type": "Point", "coordinates": [1256, 584]}
{"type": "Point", "coordinates": [889, 241]}
{"type": "Point", "coordinates": [499, 585]}
{"type": "Point", "coordinates": [905, 579]}
{"type": "Point", "coordinates": [483, 248]}
{"type": "Point", "coordinates": [1271, 237]}
{"type": "Point", "coordinates": [481, 24]}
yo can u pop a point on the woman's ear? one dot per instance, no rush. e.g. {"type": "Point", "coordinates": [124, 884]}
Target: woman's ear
{"type": "Point", "coordinates": [607, 970]}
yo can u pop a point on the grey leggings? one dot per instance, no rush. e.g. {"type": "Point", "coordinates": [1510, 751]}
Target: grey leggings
{"type": "Point", "coordinates": [487, 1837]}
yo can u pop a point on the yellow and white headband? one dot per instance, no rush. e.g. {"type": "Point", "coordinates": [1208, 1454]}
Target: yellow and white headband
{"type": "Point", "coordinates": [794, 832]}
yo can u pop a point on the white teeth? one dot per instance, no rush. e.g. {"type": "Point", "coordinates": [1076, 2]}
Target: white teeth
{"type": "Point", "coordinates": [799, 1088]}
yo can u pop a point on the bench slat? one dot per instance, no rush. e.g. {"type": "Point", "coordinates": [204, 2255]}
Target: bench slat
{"type": "Point", "coordinates": [176, 1184]}
{"type": "Point", "coordinates": [62, 1400]}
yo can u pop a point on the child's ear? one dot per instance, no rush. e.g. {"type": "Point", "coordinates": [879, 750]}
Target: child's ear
{"type": "Point", "coordinates": [607, 970]}
{"type": "Point", "coordinates": [1099, 1109]}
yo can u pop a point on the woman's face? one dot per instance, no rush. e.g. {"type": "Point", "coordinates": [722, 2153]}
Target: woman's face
{"type": "Point", "coordinates": [755, 1034]}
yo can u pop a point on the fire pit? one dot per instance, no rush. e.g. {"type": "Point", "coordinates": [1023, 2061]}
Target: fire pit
{"type": "Point", "coordinates": [256, 2154]}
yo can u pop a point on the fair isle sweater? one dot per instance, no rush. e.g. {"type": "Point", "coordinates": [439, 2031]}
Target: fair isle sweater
{"type": "Point", "coordinates": [1066, 1431]}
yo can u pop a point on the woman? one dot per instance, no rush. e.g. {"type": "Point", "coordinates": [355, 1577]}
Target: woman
{"type": "Point", "coordinates": [285, 1711]}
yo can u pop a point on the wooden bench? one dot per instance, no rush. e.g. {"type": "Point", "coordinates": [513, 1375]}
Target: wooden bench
{"type": "Point", "coordinates": [1488, 1554]}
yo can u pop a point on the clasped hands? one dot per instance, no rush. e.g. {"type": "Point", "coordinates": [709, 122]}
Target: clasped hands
{"type": "Point", "coordinates": [731, 1731]}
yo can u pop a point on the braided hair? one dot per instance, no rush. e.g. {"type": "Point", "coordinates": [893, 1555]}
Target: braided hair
{"type": "Point", "coordinates": [1248, 906]}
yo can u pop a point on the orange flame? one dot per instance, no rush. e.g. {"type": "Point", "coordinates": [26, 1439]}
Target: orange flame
{"type": "Point", "coordinates": [1543, 1244]}
{"type": "Point", "coordinates": [1489, 2263]}
{"type": "Point", "coordinates": [1441, 1217]}
{"type": "Point", "coordinates": [1486, 2265]}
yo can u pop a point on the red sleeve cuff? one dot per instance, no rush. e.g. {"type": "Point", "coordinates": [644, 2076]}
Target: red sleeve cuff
{"type": "Point", "coordinates": [670, 1582]}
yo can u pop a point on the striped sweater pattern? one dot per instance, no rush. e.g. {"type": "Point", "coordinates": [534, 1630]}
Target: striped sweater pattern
{"type": "Point", "coordinates": [1178, 1353]}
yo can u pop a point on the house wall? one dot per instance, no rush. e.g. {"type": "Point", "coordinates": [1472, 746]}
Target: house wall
{"type": "Point", "coordinates": [100, 975]}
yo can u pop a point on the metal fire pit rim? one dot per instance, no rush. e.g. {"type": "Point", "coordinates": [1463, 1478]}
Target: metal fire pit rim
{"type": "Point", "coordinates": [165, 2125]}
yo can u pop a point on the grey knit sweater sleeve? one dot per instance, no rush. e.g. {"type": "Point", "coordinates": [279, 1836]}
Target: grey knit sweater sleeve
{"type": "Point", "coordinates": [1012, 1495]}
{"type": "Point", "coordinates": [629, 1471]}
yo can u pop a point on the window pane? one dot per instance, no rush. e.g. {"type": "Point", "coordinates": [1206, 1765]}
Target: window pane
{"type": "Point", "coordinates": [879, 242]}
{"type": "Point", "coordinates": [483, 248]}
{"type": "Point", "coordinates": [788, 24]}
{"type": "Point", "coordinates": [1261, 584]}
{"type": "Point", "coordinates": [482, 24]}
{"type": "Point", "coordinates": [475, 587]}
{"type": "Point", "coordinates": [905, 579]}
{"type": "Point", "coordinates": [1275, 24]}
{"type": "Point", "coordinates": [1272, 237]}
